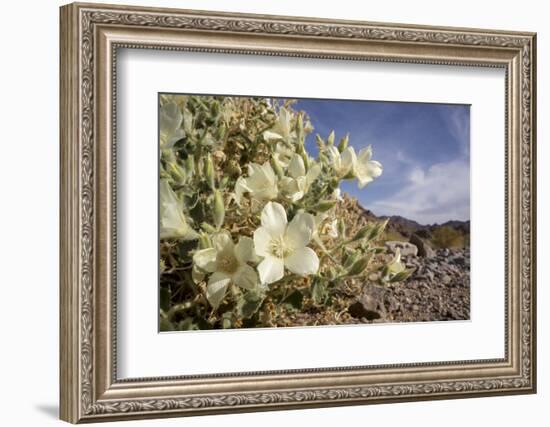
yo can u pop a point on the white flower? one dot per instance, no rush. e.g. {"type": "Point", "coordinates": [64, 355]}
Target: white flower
{"type": "Point", "coordinates": [324, 227]}
{"type": "Point", "coordinates": [343, 163]}
{"type": "Point", "coordinates": [228, 264]}
{"type": "Point", "coordinates": [366, 169]}
{"type": "Point", "coordinates": [284, 245]}
{"type": "Point", "coordinates": [171, 119]}
{"type": "Point", "coordinates": [297, 184]}
{"type": "Point", "coordinates": [395, 266]}
{"type": "Point", "coordinates": [261, 183]}
{"type": "Point", "coordinates": [329, 228]}
{"type": "Point", "coordinates": [283, 154]}
{"type": "Point", "coordinates": [337, 194]}
{"type": "Point", "coordinates": [281, 128]}
{"type": "Point", "coordinates": [173, 224]}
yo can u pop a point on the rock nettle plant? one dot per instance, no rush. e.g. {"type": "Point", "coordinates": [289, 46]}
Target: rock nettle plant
{"type": "Point", "coordinates": [252, 228]}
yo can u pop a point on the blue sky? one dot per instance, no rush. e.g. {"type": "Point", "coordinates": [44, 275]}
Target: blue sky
{"type": "Point", "coordinates": [424, 150]}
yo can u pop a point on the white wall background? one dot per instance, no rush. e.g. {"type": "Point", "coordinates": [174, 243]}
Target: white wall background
{"type": "Point", "coordinates": [29, 170]}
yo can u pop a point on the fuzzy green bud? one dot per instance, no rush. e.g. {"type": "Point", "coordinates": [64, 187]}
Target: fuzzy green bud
{"type": "Point", "coordinates": [343, 143]}
{"type": "Point", "coordinates": [220, 134]}
{"type": "Point", "coordinates": [204, 239]}
{"type": "Point", "coordinates": [190, 165]}
{"type": "Point", "coordinates": [177, 172]}
{"type": "Point", "coordinates": [330, 139]}
{"type": "Point", "coordinates": [277, 167]}
{"type": "Point", "coordinates": [306, 159]}
{"type": "Point", "coordinates": [320, 142]}
{"type": "Point", "coordinates": [219, 209]}
{"type": "Point", "coordinates": [208, 228]}
{"type": "Point", "coordinates": [341, 228]}
{"type": "Point", "coordinates": [209, 171]}
{"type": "Point", "coordinates": [215, 108]}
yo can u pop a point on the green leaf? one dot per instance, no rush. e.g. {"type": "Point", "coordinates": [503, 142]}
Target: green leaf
{"type": "Point", "coordinates": [359, 266]}
{"type": "Point", "coordinates": [319, 291]}
{"type": "Point", "coordinates": [324, 206]}
{"type": "Point", "coordinates": [249, 304]}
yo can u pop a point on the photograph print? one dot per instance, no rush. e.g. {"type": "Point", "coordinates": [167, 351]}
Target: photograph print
{"type": "Point", "coordinates": [279, 212]}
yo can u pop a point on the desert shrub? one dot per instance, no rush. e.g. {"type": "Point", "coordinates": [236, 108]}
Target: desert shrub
{"type": "Point", "coordinates": [448, 237]}
{"type": "Point", "coordinates": [248, 226]}
{"type": "Point", "coordinates": [393, 235]}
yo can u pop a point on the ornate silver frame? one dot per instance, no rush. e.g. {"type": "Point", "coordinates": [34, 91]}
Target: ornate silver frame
{"type": "Point", "coordinates": [90, 36]}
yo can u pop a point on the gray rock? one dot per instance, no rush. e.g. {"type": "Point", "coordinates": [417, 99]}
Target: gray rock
{"type": "Point", "coordinates": [424, 249]}
{"type": "Point", "coordinates": [406, 248]}
{"type": "Point", "coordinates": [359, 310]}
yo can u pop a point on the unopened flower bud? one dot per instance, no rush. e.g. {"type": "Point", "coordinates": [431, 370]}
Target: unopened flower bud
{"type": "Point", "coordinates": [330, 139]}
{"type": "Point", "coordinates": [277, 167]}
{"type": "Point", "coordinates": [209, 171]}
{"type": "Point", "coordinates": [343, 143]}
{"type": "Point", "coordinates": [219, 209]}
{"type": "Point", "coordinates": [190, 165]}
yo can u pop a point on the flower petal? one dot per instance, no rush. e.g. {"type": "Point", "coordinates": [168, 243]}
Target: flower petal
{"type": "Point", "coordinates": [196, 274]}
{"type": "Point", "coordinates": [205, 259]}
{"type": "Point", "coordinates": [313, 173]}
{"type": "Point", "coordinates": [217, 287]}
{"type": "Point", "coordinates": [274, 219]}
{"type": "Point", "coordinates": [173, 224]}
{"type": "Point", "coordinates": [299, 231]}
{"type": "Point", "coordinates": [365, 154]}
{"type": "Point", "coordinates": [374, 168]}
{"type": "Point", "coordinates": [271, 269]}
{"type": "Point", "coordinates": [302, 261]}
{"type": "Point", "coordinates": [296, 166]}
{"type": "Point", "coordinates": [262, 238]}
{"type": "Point", "coordinates": [241, 187]}
{"type": "Point", "coordinates": [268, 172]}
{"type": "Point", "coordinates": [222, 241]}
{"type": "Point", "coordinates": [272, 136]}
{"type": "Point", "coordinates": [246, 277]}
{"type": "Point", "coordinates": [290, 188]}
{"type": "Point", "coordinates": [363, 180]}
{"type": "Point", "coordinates": [244, 250]}
{"type": "Point", "coordinates": [349, 160]}
{"type": "Point", "coordinates": [170, 118]}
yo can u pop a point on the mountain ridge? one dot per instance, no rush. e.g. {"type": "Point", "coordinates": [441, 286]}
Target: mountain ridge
{"type": "Point", "coordinates": [407, 226]}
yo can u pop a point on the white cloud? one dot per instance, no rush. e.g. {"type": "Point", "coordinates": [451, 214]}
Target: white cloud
{"type": "Point", "coordinates": [435, 195]}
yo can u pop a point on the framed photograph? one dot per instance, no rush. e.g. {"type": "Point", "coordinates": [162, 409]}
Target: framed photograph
{"type": "Point", "coordinates": [267, 212]}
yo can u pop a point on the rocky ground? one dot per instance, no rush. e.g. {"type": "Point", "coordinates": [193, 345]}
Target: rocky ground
{"type": "Point", "coordinates": [439, 289]}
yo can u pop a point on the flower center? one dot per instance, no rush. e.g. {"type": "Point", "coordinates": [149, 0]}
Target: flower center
{"type": "Point", "coordinates": [279, 247]}
{"type": "Point", "coordinates": [227, 263]}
